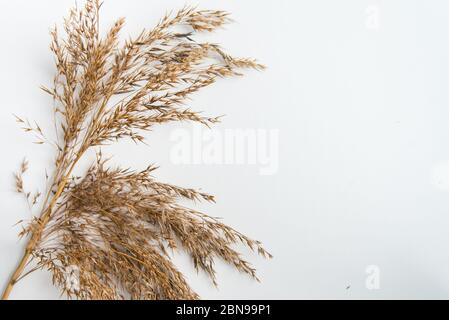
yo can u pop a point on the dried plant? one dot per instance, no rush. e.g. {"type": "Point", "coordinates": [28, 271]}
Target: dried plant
{"type": "Point", "coordinates": [115, 228]}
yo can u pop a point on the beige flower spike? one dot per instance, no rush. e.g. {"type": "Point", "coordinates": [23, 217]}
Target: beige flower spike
{"type": "Point", "coordinates": [105, 235]}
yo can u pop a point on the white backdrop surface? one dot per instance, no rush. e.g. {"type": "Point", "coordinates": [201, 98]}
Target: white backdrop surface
{"type": "Point", "coordinates": [358, 206]}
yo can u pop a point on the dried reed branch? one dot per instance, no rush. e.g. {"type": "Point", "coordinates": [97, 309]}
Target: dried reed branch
{"type": "Point", "coordinates": [114, 227]}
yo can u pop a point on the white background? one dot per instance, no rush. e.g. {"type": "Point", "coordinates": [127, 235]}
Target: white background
{"type": "Point", "coordinates": [362, 107]}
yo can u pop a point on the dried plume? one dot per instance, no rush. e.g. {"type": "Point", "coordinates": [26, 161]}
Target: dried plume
{"type": "Point", "coordinates": [114, 228]}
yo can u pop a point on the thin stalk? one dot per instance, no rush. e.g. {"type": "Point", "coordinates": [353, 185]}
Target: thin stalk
{"type": "Point", "coordinates": [37, 233]}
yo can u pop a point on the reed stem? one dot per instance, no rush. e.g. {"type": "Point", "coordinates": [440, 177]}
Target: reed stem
{"type": "Point", "coordinates": [34, 240]}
